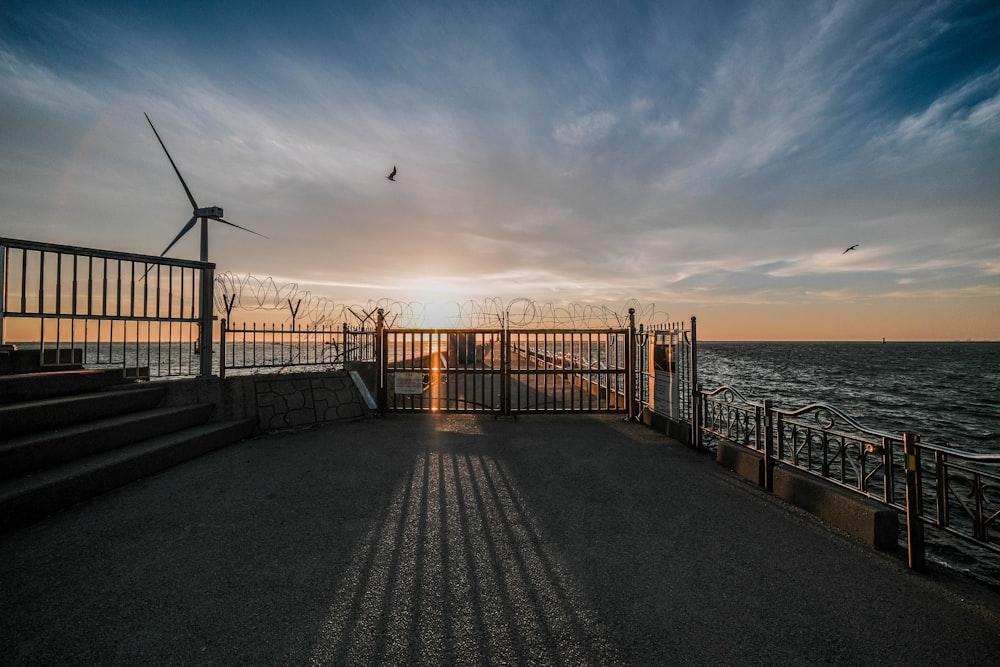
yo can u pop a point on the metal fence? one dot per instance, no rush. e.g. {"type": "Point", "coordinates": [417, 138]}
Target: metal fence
{"type": "Point", "coordinates": [507, 372]}
{"type": "Point", "coordinates": [256, 347]}
{"type": "Point", "coordinates": [667, 362]}
{"type": "Point", "coordinates": [947, 489]}
{"type": "Point", "coordinates": [151, 316]}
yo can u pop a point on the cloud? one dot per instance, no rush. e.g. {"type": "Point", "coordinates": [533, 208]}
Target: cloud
{"type": "Point", "coordinates": [585, 130]}
{"type": "Point", "coordinates": [703, 153]}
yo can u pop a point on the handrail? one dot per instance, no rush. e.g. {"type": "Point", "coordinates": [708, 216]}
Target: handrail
{"type": "Point", "coordinates": [103, 254]}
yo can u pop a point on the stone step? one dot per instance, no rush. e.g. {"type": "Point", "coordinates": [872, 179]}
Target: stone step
{"type": "Point", "coordinates": [51, 413]}
{"type": "Point", "coordinates": [33, 497]}
{"type": "Point", "coordinates": [13, 360]}
{"type": "Point", "coordinates": [35, 451]}
{"type": "Point", "coordinates": [37, 386]}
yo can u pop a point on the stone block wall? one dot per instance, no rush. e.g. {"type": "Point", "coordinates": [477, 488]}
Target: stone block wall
{"type": "Point", "coordinates": [275, 401]}
{"type": "Point", "coordinates": [289, 402]}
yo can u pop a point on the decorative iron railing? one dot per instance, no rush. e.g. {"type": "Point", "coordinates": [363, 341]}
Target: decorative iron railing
{"type": "Point", "coordinates": [954, 491]}
{"type": "Point", "coordinates": [150, 315]}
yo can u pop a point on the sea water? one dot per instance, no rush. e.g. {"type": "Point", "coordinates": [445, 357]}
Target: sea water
{"type": "Point", "coordinates": [948, 393]}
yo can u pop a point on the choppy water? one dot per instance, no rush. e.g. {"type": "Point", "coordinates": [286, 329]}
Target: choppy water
{"type": "Point", "coordinates": [948, 393]}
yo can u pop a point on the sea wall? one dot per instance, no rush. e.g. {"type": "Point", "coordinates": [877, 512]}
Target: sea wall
{"type": "Point", "coordinates": [278, 401]}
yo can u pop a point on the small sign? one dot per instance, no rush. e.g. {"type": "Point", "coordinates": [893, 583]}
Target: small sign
{"type": "Point", "coordinates": [409, 383]}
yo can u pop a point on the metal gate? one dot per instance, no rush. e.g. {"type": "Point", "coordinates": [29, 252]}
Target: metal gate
{"type": "Point", "coordinates": [508, 372]}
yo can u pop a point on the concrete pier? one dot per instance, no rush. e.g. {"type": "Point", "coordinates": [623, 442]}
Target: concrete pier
{"type": "Point", "coordinates": [457, 539]}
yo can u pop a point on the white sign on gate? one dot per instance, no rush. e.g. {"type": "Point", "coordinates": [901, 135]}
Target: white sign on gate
{"type": "Point", "coordinates": [409, 383]}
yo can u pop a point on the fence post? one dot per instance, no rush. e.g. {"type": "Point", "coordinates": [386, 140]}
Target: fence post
{"type": "Point", "coordinates": [914, 525]}
{"type": "Point", "coordinates": [3, 294]}
{"type": "Point", "coordinates": [630, 365]}
{"type": "Point", "coordinates": [223, 326]}
{"type": "Point", "coordinates": [383, 366]}
{"type": "Point", "coordinates": [505, 370]}
{"type": "Point", "coordinates": [696, 416]}
{"type": "Point", "coordinates": [207, 317]}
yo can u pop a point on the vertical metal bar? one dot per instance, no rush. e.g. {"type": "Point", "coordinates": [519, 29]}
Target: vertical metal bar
{"type": "Point", "coordinates": [118, 292]}
{"type": "Point", "coordinates": [941, 487]}
{"type": "Point", "coordinates": [74, 300]}
{"type": "Point", "coordinates": [380, 355]}
{"type": "Point", "coordinates": [914, 526]}
{"type": "Point", "coordinates": [768, 445]}
{"type": "Point", "coordinates": [207, 316]}
{"type": "Point", "coordinates": [24, 281]}
{"type": "Point", "coordinates": [58, 310]}
{"type": "Point", "coordinates": [41, 282]}
{"type": "Point", "coordinates": [696, 416]}
{"type": "Point", "coordinates": [223, 325]}
{"type": "Point", "coordinates": [888, 476]}
{"type": "Point", "coordinates": [4, 258]}
{"type": "Point", "coordinates": [58, 286]}
{"type": "Point", "coordinates": [630, 365]}
{"type": "Point", "coordinates": [104, 290]}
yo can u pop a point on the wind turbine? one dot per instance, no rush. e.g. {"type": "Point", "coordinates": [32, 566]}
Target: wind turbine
{"type": "Point", "coordinates": [204, 214]}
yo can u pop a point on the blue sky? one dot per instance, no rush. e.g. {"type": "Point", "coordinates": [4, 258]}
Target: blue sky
{"type": "Point", "coordinates": [712, 158]}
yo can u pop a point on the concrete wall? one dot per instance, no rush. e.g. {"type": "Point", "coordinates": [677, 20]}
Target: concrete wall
{"type": "Point", "coordinates": [277, 401]}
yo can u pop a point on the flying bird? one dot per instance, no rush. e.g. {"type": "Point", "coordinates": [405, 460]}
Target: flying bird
{"type": "Point", "coordinates": [392, 174]}
{"type": "Point", "coordinates": [850, 249]}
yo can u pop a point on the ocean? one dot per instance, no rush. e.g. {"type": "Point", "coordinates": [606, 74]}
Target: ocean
{"type": "Point", "coordinates": [948, 393]}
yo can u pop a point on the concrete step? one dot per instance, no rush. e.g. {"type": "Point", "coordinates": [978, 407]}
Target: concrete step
{"type": "Point", "coordinates": [37, 386]}
{"type": "Point", "coordinates": [35, 451]}
{"type": "Point", "coordinates": [30, 498]}
{"type": "Point", "coordinates": [50, 413]}
{"type": "Point", "coordinates": [13, 360]}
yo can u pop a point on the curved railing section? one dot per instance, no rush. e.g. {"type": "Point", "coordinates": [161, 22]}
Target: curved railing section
{"type": "Point", "coordinates": [950, 490]}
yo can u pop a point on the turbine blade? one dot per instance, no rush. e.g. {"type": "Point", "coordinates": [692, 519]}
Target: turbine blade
{"type": "Point", "coordinates": [185, 230]}
{"type": "Point", "coordinates": [233, 224]}
{"type": "Point", "coordinates": [194, 204]}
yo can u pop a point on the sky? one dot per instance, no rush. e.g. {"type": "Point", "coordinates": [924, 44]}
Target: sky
{"type": "Point", "coordinates": [708, 159]}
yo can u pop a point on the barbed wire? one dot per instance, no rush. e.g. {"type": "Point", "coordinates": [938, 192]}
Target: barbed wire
{"type": "Point", "coordinates": [252, 294]}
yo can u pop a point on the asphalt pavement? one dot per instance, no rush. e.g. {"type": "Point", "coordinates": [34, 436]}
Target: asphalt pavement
{"type": "Point", "coordinates": [459, 539]}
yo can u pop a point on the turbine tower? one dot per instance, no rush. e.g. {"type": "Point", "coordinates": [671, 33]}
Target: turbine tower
{"type": "Point", "coordinates": [203, 214]}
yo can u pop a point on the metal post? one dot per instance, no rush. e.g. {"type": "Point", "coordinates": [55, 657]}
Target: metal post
{"type": "Point", "coordinates": [941, 475]}
{"type": "Point", "coordinates": [768, 446]}
{"type": "Point", "coordinates": [630, 365]}
{"type": "Point", "coordinates": [696, 417]}
{"type": "Point", "coordinates": [207, 317]}
{"type": "Point", "coordinates": [3, 293]}
{"type": "Point", "coordinates": [380, 356]}
{"type": "Point", "coordinates": [223, 327]}
{"type": "Point", "coordinates": [505, 371]}
{"type": "Point", "coordinates": [914, 526]}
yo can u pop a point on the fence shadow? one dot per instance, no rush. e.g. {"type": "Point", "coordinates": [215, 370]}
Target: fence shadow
{"type": "Point", "coordinates": [455, 570]}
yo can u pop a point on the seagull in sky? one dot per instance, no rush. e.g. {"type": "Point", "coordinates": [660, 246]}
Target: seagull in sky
{"type": "Point", "coordinates": [843, 253]}
{"type": "Point", "coordinates": [392, 174]}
